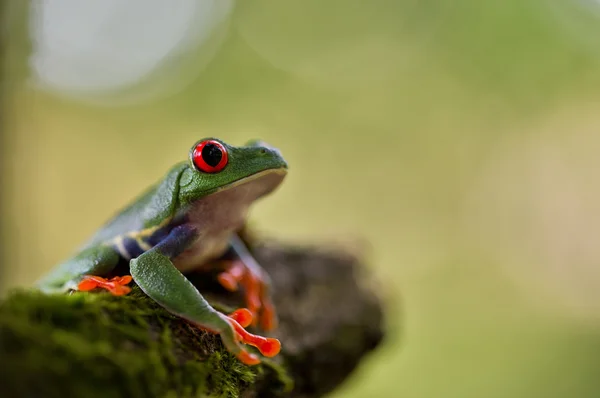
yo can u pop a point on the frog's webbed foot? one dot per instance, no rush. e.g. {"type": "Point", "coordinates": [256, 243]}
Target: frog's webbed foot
{"type": "Point", "coordinates": [117, 285]}
{"type": "Point", "coordinates": [255, 284]}
{"type": "Point", "coordinates": [238, 320]}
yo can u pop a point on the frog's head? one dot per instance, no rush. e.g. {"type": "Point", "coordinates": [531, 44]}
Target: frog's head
{"type": "Point", "coordinates": [215, 166]}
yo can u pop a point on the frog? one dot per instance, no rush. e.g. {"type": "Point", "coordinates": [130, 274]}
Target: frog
{"type": "Point", "coordinates": [189, 221]}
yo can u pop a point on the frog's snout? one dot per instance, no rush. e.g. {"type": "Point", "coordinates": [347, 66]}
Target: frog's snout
{"type": "Point", "coordinates": [276, 155]}
{"type": "Point", "coordinates": [269, 151]}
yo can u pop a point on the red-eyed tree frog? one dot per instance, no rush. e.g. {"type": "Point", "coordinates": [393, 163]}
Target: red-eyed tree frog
{"type": "Point", "coordinates": [188, 222]}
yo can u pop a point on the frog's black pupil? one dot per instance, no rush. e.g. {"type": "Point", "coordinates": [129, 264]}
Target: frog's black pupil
{"type": "Point", "coordinates": [211, 154]}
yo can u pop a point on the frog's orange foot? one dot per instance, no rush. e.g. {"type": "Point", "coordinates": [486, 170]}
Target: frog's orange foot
{"type": "Point", "coordinates": [117, 285]}
{"type": "Point", "coordinates": [269, 347]}
{"type": "Point", "coordinates": [256, 292]}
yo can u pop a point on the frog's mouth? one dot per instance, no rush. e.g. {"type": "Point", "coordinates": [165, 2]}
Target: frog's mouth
{"type": "Point", "coordinates": [258, 184]}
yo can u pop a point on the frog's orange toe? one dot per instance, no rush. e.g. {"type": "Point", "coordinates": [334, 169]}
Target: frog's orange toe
{"type": "Point", "coordinates": [119, 290]}
{"type": "Point", "coordinates": [268, 320]}
{"type": "Point", "coordinates": [243, 316]}
{"type": "Point", "coordinates": [259, 302]}
{"type": "Point", "coordinates": [231, 277]}
{"type": "Point", "coordinates": [122, 280]}
{"type": "Point", "coordinates": [115, 285]}
{"type": "Point", "coordinates": [87, 284]}
{"type": "Point", "coordinates": [248, 359]}
{"type": "Point", "coordinates": [271, 347]}
{"type": "Point", "coordinates": [228, 281]}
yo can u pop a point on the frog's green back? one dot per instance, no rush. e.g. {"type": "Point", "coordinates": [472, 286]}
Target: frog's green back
{"type": "Point", "coordinates": [153, 207]}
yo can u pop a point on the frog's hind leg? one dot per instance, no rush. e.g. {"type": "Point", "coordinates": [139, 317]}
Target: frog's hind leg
{"type": "Point", "coordinates": [85, 272]}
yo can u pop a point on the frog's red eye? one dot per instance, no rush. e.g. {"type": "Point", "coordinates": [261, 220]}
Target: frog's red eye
{"type": "Point", "coordinates": [210, 156]}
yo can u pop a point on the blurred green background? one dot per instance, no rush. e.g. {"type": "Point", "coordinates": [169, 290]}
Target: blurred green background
{"type": "Point", "coordinates": [458, 138]}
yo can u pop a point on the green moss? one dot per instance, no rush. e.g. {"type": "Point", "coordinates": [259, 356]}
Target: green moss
{"type": "Point", "coordinates": [97, 345]}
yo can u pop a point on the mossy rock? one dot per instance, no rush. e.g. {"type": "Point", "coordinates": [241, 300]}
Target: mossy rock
{"type": "Point", "coordinates": [99, 345]}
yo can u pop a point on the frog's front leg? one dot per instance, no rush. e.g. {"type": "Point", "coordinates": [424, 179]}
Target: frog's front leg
{"type": "Point", "coordinates": [85, 271]}
{"type": "Point", "coordinates": [155, 274]}
{"type": "Point", "coordinates": [242, 270]}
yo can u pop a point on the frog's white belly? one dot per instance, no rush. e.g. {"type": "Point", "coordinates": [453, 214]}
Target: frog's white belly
{"type": "Point", "coordinates": [215, 232]}
{"type": "Point", "coordinates": [202, 252]}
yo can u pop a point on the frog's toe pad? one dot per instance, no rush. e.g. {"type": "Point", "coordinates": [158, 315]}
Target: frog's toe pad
{"type": "Point", "coordinates": [247, 358]}
{"type": "Point", "coordinates": [243, 316]}
{"type": "Point", "coordinates": [116, 286]}
{"type": "Point", "coordinates": [233, 274]}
